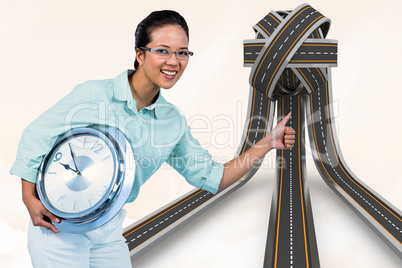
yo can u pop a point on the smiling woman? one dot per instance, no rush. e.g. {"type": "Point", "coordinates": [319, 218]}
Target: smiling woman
{"type": "Point", "coordinates": [157, 133]}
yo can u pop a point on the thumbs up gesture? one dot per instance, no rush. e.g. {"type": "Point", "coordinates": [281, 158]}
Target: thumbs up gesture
{"type": "Point", "coordinates": [282, 136]}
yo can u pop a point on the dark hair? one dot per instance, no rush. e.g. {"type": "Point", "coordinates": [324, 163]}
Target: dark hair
{"type": "Point", "coordinates": [154, 20]}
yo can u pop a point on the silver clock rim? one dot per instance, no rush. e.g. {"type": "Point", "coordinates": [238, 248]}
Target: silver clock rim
{"type": "Point", "coordinates": [67, 136]}
{"type": "Point", "coordinates": [122, 190]}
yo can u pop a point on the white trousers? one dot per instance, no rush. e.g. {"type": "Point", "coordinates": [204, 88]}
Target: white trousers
{"type": "Point", "coordinates": [103, 247]}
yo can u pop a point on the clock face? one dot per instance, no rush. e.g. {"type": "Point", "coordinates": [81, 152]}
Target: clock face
{"type": "Point", "coordinates": [79, 173]}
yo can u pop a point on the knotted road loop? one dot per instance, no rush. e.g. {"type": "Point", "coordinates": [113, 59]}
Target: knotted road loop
{"type": "Point", "coordinates": [290, 54]}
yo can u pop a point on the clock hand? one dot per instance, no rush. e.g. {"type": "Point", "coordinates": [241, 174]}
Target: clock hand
{"type": "Point", "coordinates": [75, 164]}
{"type": "Point", "coordinates": [66, 166]}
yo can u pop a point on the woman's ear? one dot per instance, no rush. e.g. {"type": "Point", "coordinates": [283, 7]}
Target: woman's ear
{"type": "Point", "coordinates": [139, 53]}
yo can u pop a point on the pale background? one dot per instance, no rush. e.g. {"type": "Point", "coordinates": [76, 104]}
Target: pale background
{"type": "Point", "coordinates": [47, 47]}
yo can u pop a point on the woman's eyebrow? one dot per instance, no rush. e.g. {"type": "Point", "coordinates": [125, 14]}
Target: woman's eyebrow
{"type": "Point", "coordinates": [165, 46]}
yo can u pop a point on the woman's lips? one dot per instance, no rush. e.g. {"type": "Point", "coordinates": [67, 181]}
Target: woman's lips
{"type": "Point", "coordinates": [169, 74]}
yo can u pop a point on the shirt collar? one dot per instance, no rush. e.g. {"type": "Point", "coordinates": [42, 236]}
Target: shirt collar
{"type": "Point", "coordinates": [122, 92]}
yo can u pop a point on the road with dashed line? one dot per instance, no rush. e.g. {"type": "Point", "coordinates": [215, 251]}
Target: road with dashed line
{"type": "Point", "coordinates": [378, 213]}
{"type": "Point", "coordinates": [312, 51]}
{"type": "Point", "coordinates": [291, 238]}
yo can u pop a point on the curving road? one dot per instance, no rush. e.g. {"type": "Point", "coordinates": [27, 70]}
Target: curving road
{"type": "Point", "coordinates": [378, 213]}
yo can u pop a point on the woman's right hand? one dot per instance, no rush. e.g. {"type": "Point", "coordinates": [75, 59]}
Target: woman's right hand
{"type": "Point", "coordinates": [40, 216]}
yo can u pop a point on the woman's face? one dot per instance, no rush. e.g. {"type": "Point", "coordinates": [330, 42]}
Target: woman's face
{"type": "Point", "coordinates": [164, 73]}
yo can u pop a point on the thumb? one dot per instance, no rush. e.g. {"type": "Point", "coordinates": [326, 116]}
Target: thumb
{"type": "Point", "coordinates": [285, 120]}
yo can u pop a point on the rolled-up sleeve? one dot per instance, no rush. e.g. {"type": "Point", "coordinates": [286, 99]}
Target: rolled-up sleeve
{"type": "Point", "coordinates": [196, 164]}
{"type": "Point", "coordinates": [38, 137]}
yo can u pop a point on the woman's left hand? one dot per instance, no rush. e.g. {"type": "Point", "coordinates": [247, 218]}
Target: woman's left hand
{"type": "Point", "coordinates": [283, 137]}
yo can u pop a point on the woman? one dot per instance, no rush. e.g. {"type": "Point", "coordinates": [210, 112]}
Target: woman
{"type": "Point", "coordinates": [133, 103]}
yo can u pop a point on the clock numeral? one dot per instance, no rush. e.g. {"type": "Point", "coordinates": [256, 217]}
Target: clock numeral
{"type": "Point", "coordinates": [57, 157]}
{"type": "Point", "coordinates": [103, 191]}
{"type": "Point", "coordinates": [53, 189]}
{"type": "Point", "coordinates": [61, 200]}
{"type": "Point", "coordinates": [97, 147]}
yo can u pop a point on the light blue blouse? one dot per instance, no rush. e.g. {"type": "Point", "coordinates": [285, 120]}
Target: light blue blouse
{"type": "Point", "coordinates": [158, 133]}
